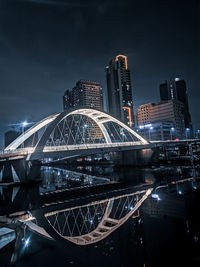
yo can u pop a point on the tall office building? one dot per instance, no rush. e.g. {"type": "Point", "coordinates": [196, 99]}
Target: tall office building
{"type": "Point", "coordinates": [175, 89]}
{"type": "Point", "coordinates": [84, 94]}
{"type": "Point", "coordinates": [119, 90]}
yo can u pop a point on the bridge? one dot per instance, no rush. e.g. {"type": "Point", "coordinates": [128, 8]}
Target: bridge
{"type": "Point", "coordinates": [80, 132]}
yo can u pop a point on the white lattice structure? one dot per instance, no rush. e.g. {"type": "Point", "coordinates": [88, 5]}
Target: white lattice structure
{"type": "Point", "coordinates": [80, 127]}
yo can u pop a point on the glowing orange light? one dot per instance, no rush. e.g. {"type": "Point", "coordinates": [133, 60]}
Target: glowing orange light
{"type": "Point", "coordinates": [129, 115]}
{"type": "Point", "coordinates": [125, 58]}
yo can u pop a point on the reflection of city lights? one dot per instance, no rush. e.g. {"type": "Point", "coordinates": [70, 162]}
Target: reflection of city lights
{"type": "Point", "coordinates": [180, 192]}
{"type": "Point", "coordinates": [26, 241]}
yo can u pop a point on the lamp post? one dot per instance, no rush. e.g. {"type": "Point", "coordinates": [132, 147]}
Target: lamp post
{"type": "Point", "coordinates": [24, 124]}
{"type": "Point", "coordinates": [84, 129]}
{"type": "Point", "coordinates": [150, 129]}
{"type": "Point", "coordinates": [171, 132]}
{"type": "Point", "coordinates": [187, 130]}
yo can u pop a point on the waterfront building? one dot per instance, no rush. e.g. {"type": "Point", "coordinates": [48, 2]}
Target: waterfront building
{"type": "Point", "coordinates": [168, 112]}
{"type": "Point", "coordinates": [119, 90]}
{"type": "Point", "coordinates": [157, 131]}
{"type": "Point", "coordinates": [176, 89]}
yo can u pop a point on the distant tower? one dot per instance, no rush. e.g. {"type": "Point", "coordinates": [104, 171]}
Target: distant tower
{"type": "Point", "coordinates": [119, 90]}
{"type": "Point", "coordinates": [175, 89]}
{"type": "Point", "coordinates": [84, 94]}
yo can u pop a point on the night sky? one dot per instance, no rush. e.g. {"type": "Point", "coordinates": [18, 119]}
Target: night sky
{"type": "Point", "coordinates": [46, 46]}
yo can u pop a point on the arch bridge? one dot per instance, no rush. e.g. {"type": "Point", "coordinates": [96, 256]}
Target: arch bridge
{"type": "Point", "coordinates": [80, 132]}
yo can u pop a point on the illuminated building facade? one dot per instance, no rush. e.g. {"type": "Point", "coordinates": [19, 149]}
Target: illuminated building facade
{"type": "Point", "coordinates": [84, 94]}
{"type": "Point", "coordinates": [119, 90]}
{"type": "Point", "coordinates": [157, 131]}
{"type": "Point", "coordinates": [87, 94]}
{"type": "Point", "coordinates": [170, 111]}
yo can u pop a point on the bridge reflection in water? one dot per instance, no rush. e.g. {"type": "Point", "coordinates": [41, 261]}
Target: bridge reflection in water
{"type": "Point", "coordinates": [99, 208]}
{"type": "Point", "coordinates": [90, 216]}
{"type": "Point", "coordinates": [92, 222]}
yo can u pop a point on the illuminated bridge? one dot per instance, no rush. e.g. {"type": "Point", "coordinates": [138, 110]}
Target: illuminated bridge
{"type": "Point", "coordinates": [77, 133]}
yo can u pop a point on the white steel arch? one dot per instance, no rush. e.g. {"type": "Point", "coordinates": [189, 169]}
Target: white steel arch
{"type": "Point", "coordinates": [100, 118]}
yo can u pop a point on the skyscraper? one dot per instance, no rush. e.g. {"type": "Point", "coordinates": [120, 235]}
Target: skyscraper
{"type": "Point", "coordinates": [119, 90]}
{"type": "Point", "coordinates": [84, 94]}
{"type": "Point", "coordinates": [175, 89]}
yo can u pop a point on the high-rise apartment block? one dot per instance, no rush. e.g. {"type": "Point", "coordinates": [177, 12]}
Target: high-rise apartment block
{"type": "Point", "coordinates": [175, 89]}
{"type": "Point", "coordinates": [170, 111]}
{"type": "Point", "coordinates": [84, 94]}
{"type": "Point", "coordinates": [119, 90]}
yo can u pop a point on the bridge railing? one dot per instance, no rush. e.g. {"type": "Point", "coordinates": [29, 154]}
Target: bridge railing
{"type": "Point", "coordinates": [20, 151]}
{"type": "Point", "coordinates": [90, 146]}
{"type": "Point", "coordinates": [30, 150]}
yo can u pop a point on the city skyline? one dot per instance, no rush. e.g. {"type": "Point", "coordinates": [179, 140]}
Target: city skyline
{"type": "Point", "coordinates": [40, 60]}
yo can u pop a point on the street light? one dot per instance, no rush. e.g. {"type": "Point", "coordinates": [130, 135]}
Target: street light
{"type": "Point", "coordinates": [150, 129]}
{"type": "Point", "coordinates": [84, 129]}
{"type": "Point", "coordinates": [187, 130]}
{"type": "Point", "coordinates": [171, 132]}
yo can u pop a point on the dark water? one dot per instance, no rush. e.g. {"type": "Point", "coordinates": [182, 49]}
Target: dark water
{"type": "Point", "coordinates": [151, 218]}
